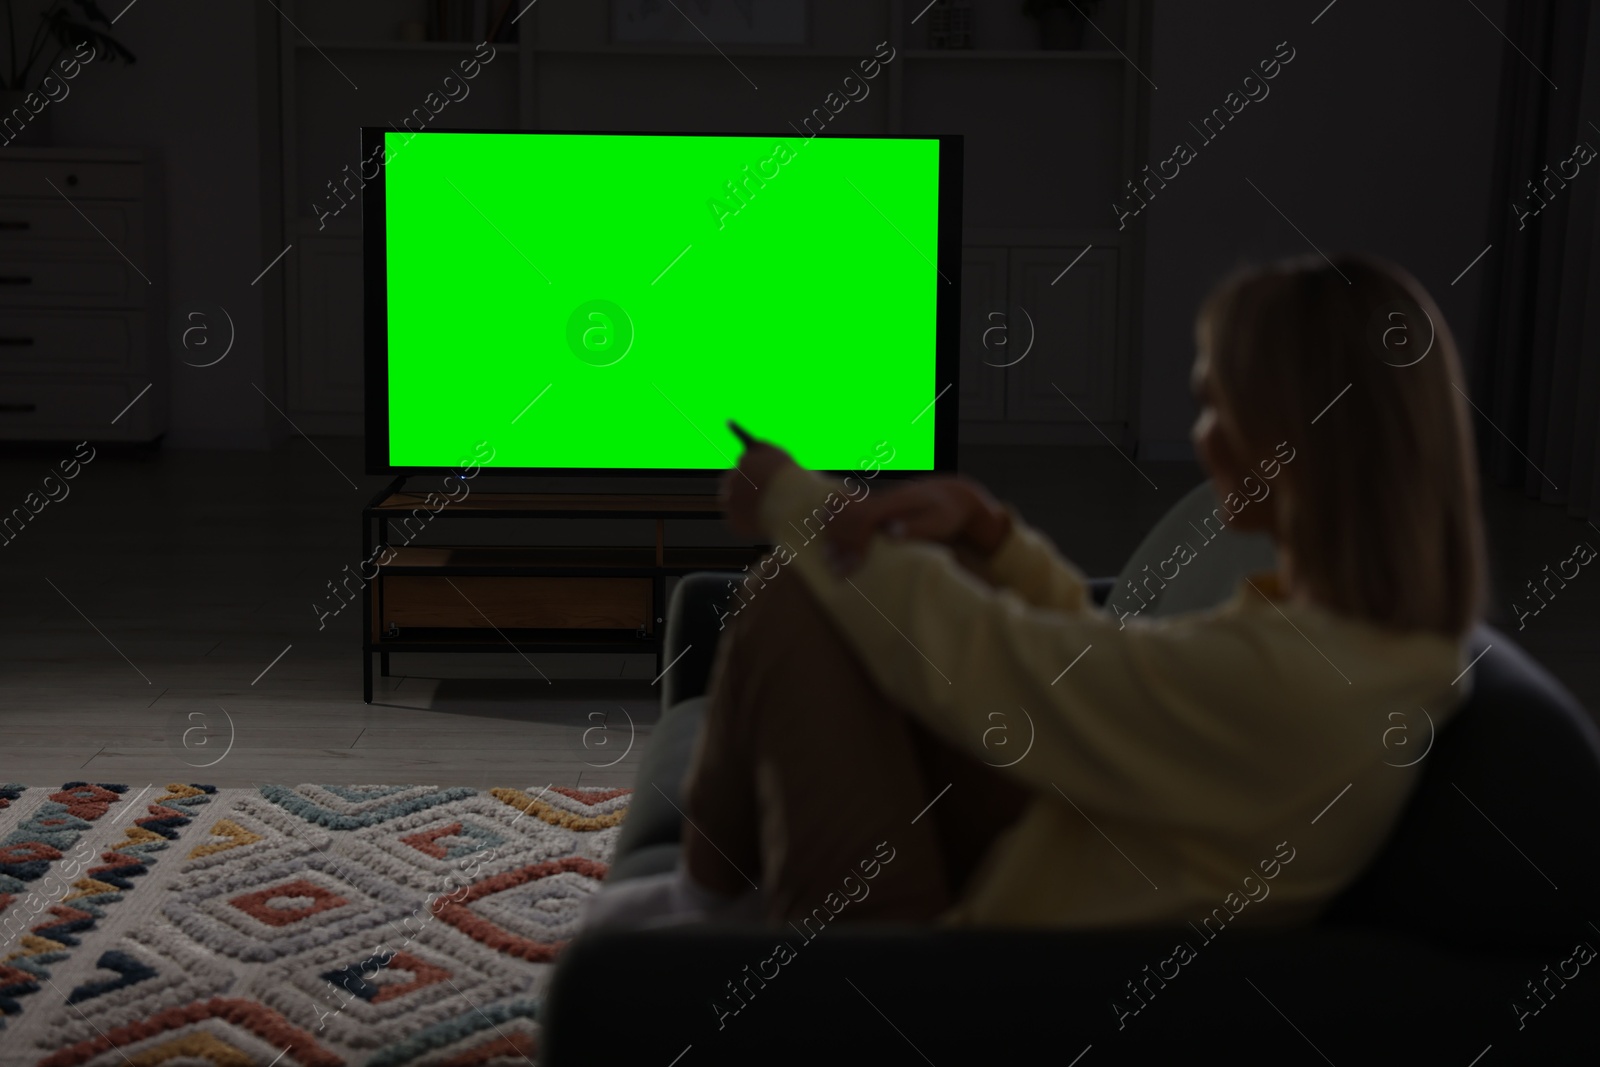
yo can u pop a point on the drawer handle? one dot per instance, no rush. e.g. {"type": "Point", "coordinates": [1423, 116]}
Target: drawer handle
{"type": "Point", "coordinates": [16, 279]}
{"type": "Point", "coordinates": [15, 342]}
{"type": "Point", "coordinates": [16, 225]}
{"type": "Point", "coordinates": [23, 407]}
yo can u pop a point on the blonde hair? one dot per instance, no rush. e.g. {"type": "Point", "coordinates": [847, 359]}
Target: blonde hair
{"type": "Point", "coordinates": [1352, 364]}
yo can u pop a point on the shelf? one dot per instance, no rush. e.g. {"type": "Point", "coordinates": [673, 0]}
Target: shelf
{"type": "Point", "coordinates": [697, 51]}
{"type": "Point", "coordinates": [556, 506]}
{"type": "Point", "coordinates": [563, 560]}
{"type": "Point", "coordinates": [512, 640]}
{"type": "Point", "coordinates": [702, 51]}
{"type": "Point", "coordinates": [403, 46]}
{"type": "Point", "coordinates": [1052, 54]}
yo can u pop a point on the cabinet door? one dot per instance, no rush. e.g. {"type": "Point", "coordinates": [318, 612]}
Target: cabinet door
{"type": "Point", "coordinates": [985, 339]}
{"type": "Point", "coordinates": [326, 375]}
{"type": "Point", "coordinates": [1070, 295]}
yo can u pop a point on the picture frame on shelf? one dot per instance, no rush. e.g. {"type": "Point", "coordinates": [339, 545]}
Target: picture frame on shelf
{"type": "Point", "coordinates": [725, 22]}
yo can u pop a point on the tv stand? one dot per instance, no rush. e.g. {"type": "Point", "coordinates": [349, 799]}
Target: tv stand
{"type": "Point", "coordinates": [525, 598]}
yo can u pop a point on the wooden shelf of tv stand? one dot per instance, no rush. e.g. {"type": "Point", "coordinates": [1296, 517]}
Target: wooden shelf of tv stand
{"type": "Point", "coordinates": [556, 561]}
{"type": "Point", "coordinates": [481, 505]}
{"type": "Point", "coordinates": [524, 641]}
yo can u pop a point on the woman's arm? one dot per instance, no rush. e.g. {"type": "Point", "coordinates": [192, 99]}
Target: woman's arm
{"type": "Point", "coordinates": [1026, 563]}
{"type": "Point", "coordinates": [988, 538]}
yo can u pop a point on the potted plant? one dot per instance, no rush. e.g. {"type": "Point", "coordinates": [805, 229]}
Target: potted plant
{"type": "Point", "coordinates": [1061, 22]}
{"type": "Point", "coordinates": [59, 26]}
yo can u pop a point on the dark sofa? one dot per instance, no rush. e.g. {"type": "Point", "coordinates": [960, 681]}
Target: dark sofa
{"type": "Point", "coordinates": [1459, 945]}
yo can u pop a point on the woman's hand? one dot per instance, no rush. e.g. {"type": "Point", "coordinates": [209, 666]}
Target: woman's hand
{"type": "Point", "coordinates": [952, 511]}
{"type": "Point", "coordinates": [742, 486]}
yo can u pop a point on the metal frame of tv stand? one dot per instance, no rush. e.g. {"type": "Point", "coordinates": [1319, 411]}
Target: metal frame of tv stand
{"type": "Point", "coordinates": [375, 534]}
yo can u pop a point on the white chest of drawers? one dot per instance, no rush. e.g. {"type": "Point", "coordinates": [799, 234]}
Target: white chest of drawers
{"type": "Point", "coordinates": [82, 300]}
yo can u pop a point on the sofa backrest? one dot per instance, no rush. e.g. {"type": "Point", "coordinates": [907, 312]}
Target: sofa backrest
{"type": "Point", "coordinates": [1155, 583]}
{"type": "Point", "coordinates": [1498, 845]}
{"type": "Point", "coordinates": [695, 613]}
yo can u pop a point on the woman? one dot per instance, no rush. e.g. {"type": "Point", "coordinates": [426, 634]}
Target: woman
{"type": "Point", "coordinates": [931, 707]}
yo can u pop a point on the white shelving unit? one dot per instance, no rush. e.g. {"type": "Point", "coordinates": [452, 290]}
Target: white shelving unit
{"type": "Point", "coordinates": [1051, 136]}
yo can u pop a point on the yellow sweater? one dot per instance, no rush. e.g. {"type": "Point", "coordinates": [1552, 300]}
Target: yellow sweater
{"type": "Point", "coordinates": [1244, 761]}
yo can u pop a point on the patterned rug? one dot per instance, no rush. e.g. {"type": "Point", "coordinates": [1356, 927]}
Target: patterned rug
{"type": "Point", "coordinates": [315, 925]}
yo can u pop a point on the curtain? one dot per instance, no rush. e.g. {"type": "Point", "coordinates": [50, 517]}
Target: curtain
{"type": "Point", "coordinates": [1536, 374]}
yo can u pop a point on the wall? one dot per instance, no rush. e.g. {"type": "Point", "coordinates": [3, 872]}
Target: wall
{"type": "Point", "coordinates": [195, 95]}
{"type": "Point", "coordinates": [1377, 137]}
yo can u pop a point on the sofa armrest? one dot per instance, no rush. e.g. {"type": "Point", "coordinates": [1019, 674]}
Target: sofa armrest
{"type": "Point", "coordinates": [1487, 841]}
{"type": "Point", "coordinates": [693, 627]}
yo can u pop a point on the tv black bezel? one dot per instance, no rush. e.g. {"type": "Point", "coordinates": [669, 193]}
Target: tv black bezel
{"type": "Point", "coordinates": [375, 318]}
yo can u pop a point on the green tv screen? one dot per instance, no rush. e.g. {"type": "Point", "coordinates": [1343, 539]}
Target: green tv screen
{"type": "Point", "coordinates": [607, 302]}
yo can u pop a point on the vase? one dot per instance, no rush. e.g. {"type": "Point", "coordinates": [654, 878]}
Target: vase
{"type": "Point", "coordinates": [1061, 29]}
{"type": "Point", "coordinates": [19, 125]}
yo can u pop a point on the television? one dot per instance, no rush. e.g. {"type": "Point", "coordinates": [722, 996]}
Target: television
{"type": "Point", "coordinates": [603, 303]}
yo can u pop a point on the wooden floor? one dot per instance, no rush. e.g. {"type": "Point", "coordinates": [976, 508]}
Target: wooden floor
{"type": "Point", "coordinates": [159, 624]}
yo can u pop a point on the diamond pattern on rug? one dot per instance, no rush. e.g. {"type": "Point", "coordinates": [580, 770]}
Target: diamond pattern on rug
{"type": "Point", "coordinates": [182, 973]}
{"type": "Point", "coordinates": [69, 819]}
{"type": "Point", "coordinates": [530, 912]}
{"type": "Point", "coordinates": [220, 1030]}
{"type": "Point", "coordinates": [287, 901]}
{"type": "Point", "coordinates": [349, 808]}
{"type": "Point", "coordinates": [393, 846]}
{"type": "Point", "coordinates": [323, 924]}
{"type": "Point", "coordinates": [454, 840]}
{"type": "Point", "coordinates": [574, 809]}
{"type": "Point", "coordinates": [366, 992]}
